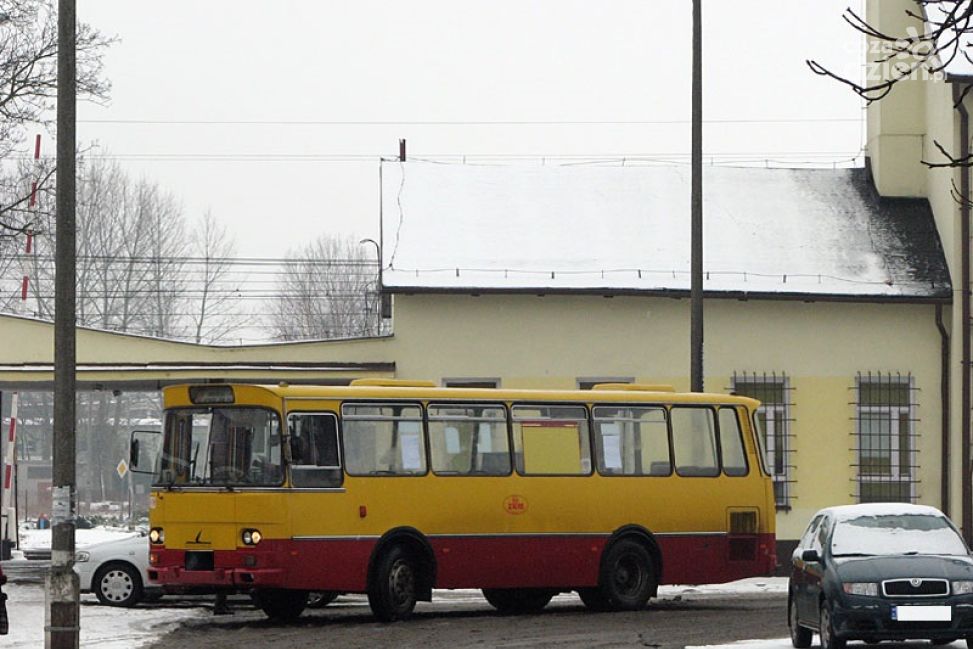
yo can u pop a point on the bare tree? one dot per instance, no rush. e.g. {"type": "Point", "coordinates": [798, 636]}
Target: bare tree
{"type": "Point", "coordinates": [214, 305]}
{"type": "Point", "coordinates": [328, 290]}
{"type": "Point", "coordinates": [946, 37]}
{"type": "Point", "coordinates": [136, 272]}
{"type": "Point", "coordinates": [28, 84]}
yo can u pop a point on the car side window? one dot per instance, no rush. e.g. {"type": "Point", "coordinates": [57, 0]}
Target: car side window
{"type": "Point", "coordinates": [821, 537]}
{"type": "Point", "coordinates": [812, 527]}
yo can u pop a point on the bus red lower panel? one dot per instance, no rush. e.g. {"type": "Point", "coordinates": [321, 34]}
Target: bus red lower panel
{"type": "Point", "coordinates": [526, 561]}
{"type": "Point", "coordinates": [715, 558]}
{"type": "Point", "coordinates": [497, 561]}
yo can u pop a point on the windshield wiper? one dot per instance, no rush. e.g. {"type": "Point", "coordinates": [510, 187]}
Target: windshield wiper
{"type": "Point", "coordinates": [854, 554]}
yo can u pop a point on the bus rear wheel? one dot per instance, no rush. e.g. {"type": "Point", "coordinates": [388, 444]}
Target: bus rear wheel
{"type": "Point", "coordinates": [513, 601]}
{"type": "Point", "coordinates": [280, 604]}
{"type": "Point", "coordinates": [393, 592]}
{"type": "Point", "coordinates": [628, 577]}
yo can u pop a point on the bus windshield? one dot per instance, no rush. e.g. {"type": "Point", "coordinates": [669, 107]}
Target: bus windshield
{"type": "Point", "coordinates": [221, 447]}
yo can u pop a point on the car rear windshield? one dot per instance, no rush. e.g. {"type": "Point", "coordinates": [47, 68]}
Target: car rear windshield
{"type": "Point", "coordinates": [891, 534]}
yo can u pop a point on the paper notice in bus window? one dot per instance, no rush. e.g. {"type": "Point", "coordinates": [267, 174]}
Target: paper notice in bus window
{"type": "Point", "coordinates": [452, 441]}
{"type": "Point", "coordinates": [612, 449]}
{"type": "Point", "coordinates": [484, 443]}
{"type": "Point", "coordinates": [411, 458]}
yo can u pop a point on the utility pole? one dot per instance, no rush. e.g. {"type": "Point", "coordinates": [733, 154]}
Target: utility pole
{"type": "Point", "coordinates": [696, 286]}
{"type": "Point", "coordinates": [62, 629]}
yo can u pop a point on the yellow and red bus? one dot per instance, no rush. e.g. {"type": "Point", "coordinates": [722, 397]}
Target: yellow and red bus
{"type": "Point", "coordinates": [395, 488]}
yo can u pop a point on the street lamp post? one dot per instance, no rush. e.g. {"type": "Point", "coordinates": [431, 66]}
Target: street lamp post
{"type": "Point", "coordinates": [368, 299]}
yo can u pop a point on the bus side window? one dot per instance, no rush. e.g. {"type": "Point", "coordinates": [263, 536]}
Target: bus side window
{"type": "Point", "coordinates": [631, 441]}
{"type": "Point", "coordinates": [552, 440]}
{"type": "Point", "coordinates": [731, 443]}
{"type": "Point", "coordinates": [315, 460]}
{"type": "Point", "coordinates": [383, 439]}
{"type": "Point", "coordinates": [694, 441]}
{"type": "Point", "coordinates": [468, 440]}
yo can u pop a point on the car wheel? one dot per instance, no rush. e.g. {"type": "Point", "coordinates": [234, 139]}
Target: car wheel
{"type": "Point", "coordinates": [516, 601]}
{"type": "Point", "coordinates": [118, 584]}
{"type": "Point", "coordinates": [393, 592]}
{"type": "Point", "coordinates": [800, 636]}
{"type": "Point", "coordinates": [826, 630]}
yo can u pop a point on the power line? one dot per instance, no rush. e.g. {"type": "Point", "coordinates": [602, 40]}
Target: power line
{"type": "Point", "coordinates": [724, 158]}
{"type": "Point", "coordinates": [658, 122]}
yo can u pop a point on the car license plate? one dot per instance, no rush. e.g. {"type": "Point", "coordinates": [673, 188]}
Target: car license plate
{"type": "Point", "coordinates": [922, 613]}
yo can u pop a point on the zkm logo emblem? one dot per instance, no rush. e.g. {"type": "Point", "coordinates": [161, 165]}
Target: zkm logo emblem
{"type": "Point", "coordinates": [515, 504]}
{"type": "Point", "coordinates": [198, 540]}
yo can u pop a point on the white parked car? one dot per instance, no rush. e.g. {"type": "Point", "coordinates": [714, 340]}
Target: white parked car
{"type": "Point", "coordinates": [115, 571]}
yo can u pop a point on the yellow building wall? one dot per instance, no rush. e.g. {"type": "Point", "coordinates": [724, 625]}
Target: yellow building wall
{"type": "Point", "coordinates": [532, 341]}
{"type": "Point", "coordinates": [896, 124]}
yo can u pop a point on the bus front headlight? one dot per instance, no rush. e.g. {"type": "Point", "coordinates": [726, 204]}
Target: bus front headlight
{"type": "Point", "coordinates": [157, 536]}
{"type": "Point", "coordinates": [251, 537]}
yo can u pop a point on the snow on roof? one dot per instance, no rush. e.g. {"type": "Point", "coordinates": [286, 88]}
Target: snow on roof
{"type": "Point", "coordinates": [766, 231]}
{"type": "Point", "coordinates": [847, 512]}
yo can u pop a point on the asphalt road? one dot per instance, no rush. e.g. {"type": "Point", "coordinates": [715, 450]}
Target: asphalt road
{"type": "Point", "coordinates": [464, 619]}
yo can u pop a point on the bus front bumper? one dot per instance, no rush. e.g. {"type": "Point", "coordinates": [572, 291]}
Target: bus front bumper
{"type": "Point", "coordinates": [218, 569]}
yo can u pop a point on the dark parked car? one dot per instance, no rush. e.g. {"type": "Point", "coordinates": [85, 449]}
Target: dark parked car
{"type": "Point", "coordinates": [880, 572]}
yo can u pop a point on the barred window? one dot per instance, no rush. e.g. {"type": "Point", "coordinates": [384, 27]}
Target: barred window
{"type": "Point", "coordinates": [773, 418]}
{"type": "Point", "coordinates": [885, 438]}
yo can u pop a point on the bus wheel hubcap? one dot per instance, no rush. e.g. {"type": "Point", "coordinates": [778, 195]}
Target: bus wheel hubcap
{"type": "Point", "coordinates": [401, 582]}
{"type": "Point", "coordinates": [628, 575]}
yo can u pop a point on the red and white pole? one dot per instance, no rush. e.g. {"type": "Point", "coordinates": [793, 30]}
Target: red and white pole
{"type": "Point", "coordinates": [8, 513]}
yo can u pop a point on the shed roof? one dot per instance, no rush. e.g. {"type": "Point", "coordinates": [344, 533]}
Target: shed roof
{"type": "Point", "coordinates": [768, 232]}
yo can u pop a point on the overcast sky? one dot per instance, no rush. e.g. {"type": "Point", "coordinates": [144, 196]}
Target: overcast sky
{"type": "Point", "coordinates": [265, 111]}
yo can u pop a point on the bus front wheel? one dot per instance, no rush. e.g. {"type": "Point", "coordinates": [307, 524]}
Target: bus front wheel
{"type": "Point", "coordinates": [393, 592]}
{"type": "Point", "coordinates": [627, 576]}
{"type": "Point", "coordinates": [280, 604]}
{"type": "Point", "coordinates": [514, 601]}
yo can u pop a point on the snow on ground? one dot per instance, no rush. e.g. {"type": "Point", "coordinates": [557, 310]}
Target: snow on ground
{"type": "Point", "coordinates": [107, 627]}
{"type": "Point", "coordinates": [34, 539]}
{"type": "Point", "coordinates": [785, 643]}
{"type": "Point", "coordinates": [104, 627]}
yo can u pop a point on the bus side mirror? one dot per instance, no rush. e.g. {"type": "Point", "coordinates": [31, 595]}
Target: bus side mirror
{"type": "Point", "coordinates": [140, 443]}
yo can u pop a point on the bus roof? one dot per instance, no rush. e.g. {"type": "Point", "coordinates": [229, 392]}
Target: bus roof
{"type": "Point", "coordinates": [428, 391]}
